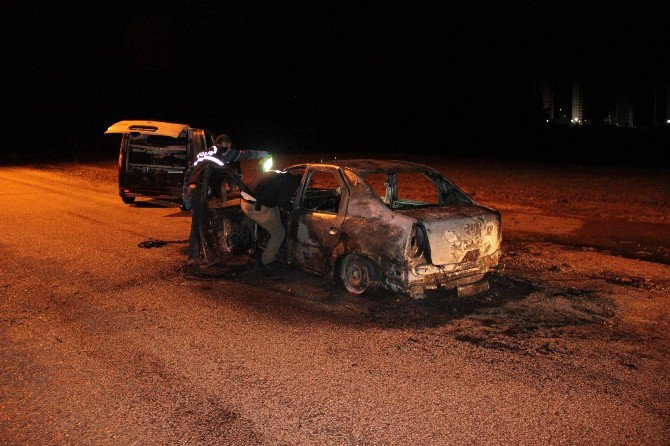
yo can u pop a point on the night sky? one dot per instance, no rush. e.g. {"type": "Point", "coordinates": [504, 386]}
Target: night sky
{"type": "Point", "coordinates": [315, 76]}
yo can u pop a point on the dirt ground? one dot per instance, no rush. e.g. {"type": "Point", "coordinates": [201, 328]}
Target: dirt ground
{"type": "Point", "coordinates": [583, 245]}
{"type": "Point", "coordinates": [561, 222]}
{"type": "Point", "coordinates": [577, 322]}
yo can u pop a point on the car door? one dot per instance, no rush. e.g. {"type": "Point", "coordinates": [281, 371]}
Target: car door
{"type": "Point", "coordinates": [197, 144]}
{"type": "Point", "coordinates": [318, 218]}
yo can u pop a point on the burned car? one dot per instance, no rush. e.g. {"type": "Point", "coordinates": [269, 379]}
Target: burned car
{"type": "Point", "coordinates": [370, 223]}
{"type": "Point", "coordinates": [154, 156]}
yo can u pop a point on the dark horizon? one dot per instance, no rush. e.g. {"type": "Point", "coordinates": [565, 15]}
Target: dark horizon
{"type": "Point", "coordinates": [338, 76]}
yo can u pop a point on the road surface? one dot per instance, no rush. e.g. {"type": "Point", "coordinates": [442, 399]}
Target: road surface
{"type": "Point", "coordinates": [105, 343]}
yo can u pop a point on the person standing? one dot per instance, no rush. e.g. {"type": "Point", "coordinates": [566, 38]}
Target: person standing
{"type": "Point", "coordinates": [222, 153]}
{"type": "Point", "coordinates": [267, 195]}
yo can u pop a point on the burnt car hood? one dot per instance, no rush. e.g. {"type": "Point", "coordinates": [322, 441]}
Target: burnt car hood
{"type": "Point", "coordinates": [458, 233]}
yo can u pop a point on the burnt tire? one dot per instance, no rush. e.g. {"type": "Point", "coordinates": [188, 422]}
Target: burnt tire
{"type": "Point", "coordinates": [358, 274]}
{"type": "Point", "coordinates": [127, 200]}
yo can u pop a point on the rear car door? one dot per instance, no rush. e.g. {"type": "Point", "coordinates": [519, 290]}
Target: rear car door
{"type": "Point", "coordinates": [318, 218]}
{"type": "Point", "coordinates": [197, 144]}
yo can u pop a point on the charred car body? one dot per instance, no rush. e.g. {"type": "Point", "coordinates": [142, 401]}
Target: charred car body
{"type": "Point", "coordinates": [396, 224]}
{"type": "Point", "coordinates": [154, 156]}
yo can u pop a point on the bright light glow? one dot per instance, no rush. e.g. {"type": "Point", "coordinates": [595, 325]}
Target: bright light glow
{"type": "Point", "coordinates": [668, 121]}
{"type": "Point", "coordinates": [267, 164]}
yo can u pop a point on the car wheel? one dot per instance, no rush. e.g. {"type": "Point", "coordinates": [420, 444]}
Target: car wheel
{"type": "Point", "coordinates": [359, 275]}
{"type": "Point", "coordinates": [127, 200]}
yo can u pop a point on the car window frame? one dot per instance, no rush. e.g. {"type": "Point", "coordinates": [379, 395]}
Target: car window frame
{"type": "Point", "coordinates": [344, 189]}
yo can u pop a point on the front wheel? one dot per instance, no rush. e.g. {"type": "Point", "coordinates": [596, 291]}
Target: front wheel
{"type": "Point", "coordinates": [359, 275]}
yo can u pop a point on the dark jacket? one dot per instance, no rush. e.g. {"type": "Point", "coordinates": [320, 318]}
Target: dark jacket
{"type": "Point", "coordinates": [275, 189]}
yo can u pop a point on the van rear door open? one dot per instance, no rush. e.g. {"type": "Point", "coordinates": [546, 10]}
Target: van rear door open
{"type": "Point", "coordinates": [148, 128]}
{"type": "Point", "coordinates": [154, 157]}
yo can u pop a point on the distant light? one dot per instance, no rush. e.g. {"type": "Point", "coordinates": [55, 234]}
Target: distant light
{"type": "Point", "coordinates": [267, 163]}
{"type": "Point", "coordinates": [668, 121]}
{"type": "Point", "coordinates": [547, 120]}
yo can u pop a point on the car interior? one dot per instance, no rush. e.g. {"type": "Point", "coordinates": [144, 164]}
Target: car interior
{"type": "Point", "coordinates": [323, 193]}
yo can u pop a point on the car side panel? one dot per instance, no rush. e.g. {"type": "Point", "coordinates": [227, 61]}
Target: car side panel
{"type": "Point", "coordinates": [374, 231]}
{"type": "Point", "coordinates": [312, 235]}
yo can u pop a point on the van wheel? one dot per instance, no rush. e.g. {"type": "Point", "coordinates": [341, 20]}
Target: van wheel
{"type": "Point", "coordinates": [359, 275]}
{"type": "Point", "coordinates": [127, 200]}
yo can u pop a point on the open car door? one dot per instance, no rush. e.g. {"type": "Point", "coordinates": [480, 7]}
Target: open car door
{"type": "Point", "coordinates": [317, 221]}
{"type": "Point", "coordinates": [224, 229]}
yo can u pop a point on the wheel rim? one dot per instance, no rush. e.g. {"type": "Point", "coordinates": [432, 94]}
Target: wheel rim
{"type": "Point", "coordinates": [355, 274]}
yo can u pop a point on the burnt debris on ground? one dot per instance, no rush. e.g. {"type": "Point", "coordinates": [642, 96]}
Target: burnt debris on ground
{"type": "Point", "coordinates": [152, 243]}
{"type": "Point", "coordinates": [513, 306]}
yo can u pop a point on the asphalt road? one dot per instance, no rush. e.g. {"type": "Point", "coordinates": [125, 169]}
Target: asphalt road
{"type": "Point", "coordinates": [105, 343]}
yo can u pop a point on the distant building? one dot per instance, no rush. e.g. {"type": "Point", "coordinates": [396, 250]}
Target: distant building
{"type": "Point", "coordinates": [546, 93]}
{"type": "Point", "coordinates": [562, 103]}
{"type": "Point", "coordinates": [624, 107]}
{"type": "Point", "coordinates": [577, 115]}
{"type": "Point", "coordinates": [634, 104]}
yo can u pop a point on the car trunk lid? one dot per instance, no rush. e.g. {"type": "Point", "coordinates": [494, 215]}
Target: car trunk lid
{"type": "Point", "coordinates": [459, 233]}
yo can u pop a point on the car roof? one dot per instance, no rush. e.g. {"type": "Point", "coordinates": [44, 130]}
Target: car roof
{"type": "Point", "coordinates": [368, 166]}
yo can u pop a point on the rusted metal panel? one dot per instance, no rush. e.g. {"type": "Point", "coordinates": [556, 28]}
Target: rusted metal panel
{"type": "Point", "coordinates": [317, 236]}
{"type": "Point", "coordinates": [455, 231]}
{"type": "Point", "coordinates": [464, 239]}
{"type": "Point", "coordinates": [313, 235]}
{"type": "Point", "coordinates": [371, 226]}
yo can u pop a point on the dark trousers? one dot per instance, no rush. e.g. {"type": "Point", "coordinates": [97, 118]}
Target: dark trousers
{"type": "Point", "coordinates": [196, 217]}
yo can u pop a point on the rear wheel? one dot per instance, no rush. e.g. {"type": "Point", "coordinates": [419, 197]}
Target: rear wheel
{"type": "Point", "coordinates": [127, 200]}
{"type": "Point", "coordinates": [359, 275]}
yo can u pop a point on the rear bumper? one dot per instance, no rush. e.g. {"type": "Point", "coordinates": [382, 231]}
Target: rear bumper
{"type": "Point", "coordinates": [131, 192]}
{"type": "Point", "coordinates": [428, 276]}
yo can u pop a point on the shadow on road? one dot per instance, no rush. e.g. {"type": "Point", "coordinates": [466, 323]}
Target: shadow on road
{"type": "Point", "coordinates": [514, 309]}
{"type": "Point", "coordinates": [156, 203]}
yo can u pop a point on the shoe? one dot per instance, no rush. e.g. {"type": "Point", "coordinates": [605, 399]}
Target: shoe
{"type": "Point", "coordinates": [265, 268]}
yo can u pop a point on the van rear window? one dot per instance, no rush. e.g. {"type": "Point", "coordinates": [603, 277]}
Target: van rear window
{"type": "Point", "coordinates": [156, 150]}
